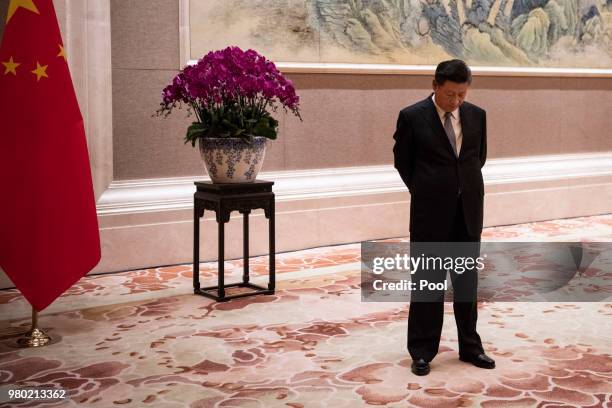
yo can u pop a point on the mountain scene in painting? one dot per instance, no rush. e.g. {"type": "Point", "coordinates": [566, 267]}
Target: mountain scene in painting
{"type": "Point", "coordinates": [548, 33]}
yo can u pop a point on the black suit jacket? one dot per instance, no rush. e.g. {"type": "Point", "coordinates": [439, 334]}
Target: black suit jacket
{"type": "Point", "coordinates": [433, 174]}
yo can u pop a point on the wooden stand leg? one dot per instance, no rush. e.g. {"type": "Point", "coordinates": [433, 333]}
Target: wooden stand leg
{"type": "Point", "coordinates": [245, 247]}
{"type": "Point", "coordinates": [221, 260]}
{"type": "Point", "coordinates": [272, 248]}
{"type": "Point", "coordinates": [197, 214]}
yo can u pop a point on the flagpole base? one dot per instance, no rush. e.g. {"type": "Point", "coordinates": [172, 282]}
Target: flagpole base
{"type": "Point", "coordinates": [34, 338]}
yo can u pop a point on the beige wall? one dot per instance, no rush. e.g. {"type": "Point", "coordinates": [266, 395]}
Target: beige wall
{"type": "Point", "coordinates": [348, 119]}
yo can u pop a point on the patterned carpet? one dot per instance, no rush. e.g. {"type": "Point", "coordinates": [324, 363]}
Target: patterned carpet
{"type": "Point", "coordinates": [141, 339]}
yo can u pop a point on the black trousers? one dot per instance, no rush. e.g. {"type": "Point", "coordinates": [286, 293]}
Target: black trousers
{"type": "Point", "coordinates": [426, 313]}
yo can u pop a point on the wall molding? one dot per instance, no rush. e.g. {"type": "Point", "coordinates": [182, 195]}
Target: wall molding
{"type": "Point", "coordinates": [161, 194]}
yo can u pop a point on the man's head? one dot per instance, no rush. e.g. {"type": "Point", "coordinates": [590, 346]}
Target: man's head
{"type": "Point", "coordinates": [451, 84]}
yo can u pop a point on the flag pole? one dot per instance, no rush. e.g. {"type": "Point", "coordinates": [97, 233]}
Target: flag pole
{"type": "Point", "coordinates": [35, 337]}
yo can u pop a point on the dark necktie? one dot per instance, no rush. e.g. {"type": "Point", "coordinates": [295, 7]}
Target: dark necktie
{"type": "Point", "coordinates": [450, 132]}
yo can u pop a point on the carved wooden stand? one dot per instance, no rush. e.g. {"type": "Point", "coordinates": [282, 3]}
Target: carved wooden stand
{"type": "Point", "coordinates": [223, 199]}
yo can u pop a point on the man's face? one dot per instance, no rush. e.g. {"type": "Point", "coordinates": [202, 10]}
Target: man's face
{"type": "Point", "coordinates": [450, 95]}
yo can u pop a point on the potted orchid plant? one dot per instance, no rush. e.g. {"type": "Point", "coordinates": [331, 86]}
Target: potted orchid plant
{"type": "Point", "coordinates": [232, 94]}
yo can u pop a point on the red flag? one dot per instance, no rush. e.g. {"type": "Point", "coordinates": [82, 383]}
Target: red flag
{"type": "Point", "coordinates": [48, 227]}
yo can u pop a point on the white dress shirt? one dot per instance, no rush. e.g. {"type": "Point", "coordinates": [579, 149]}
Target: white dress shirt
{"type": "Point", "coordinates": [455, 120]}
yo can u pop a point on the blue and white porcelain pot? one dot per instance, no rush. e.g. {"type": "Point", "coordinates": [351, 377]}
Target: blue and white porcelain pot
{"type": "Point", "coordinates": [232, 159]}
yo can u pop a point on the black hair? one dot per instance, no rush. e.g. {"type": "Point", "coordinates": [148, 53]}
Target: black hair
{"type": "Point", "coordinates": [453, 70]}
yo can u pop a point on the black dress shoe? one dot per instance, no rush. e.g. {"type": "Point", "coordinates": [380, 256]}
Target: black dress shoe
{"type": "Point", "coordinates": [480, 360]}
{"type": "Point", "coordinates": [420, 367]}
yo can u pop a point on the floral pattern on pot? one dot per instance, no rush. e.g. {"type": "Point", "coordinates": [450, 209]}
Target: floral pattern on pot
{"type": "Point", "coordinates": [232, 159]}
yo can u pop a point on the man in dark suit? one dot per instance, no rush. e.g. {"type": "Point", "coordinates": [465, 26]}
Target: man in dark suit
{"type": "Point", "coordinates": [440, 148]}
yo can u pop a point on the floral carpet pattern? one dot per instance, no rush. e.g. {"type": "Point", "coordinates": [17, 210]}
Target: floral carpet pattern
{"type": "Point", "coordinates": [141, 338]}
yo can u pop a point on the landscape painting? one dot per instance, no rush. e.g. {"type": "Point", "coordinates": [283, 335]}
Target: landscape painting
{"type": "Point", "coordinates": [496, 33]}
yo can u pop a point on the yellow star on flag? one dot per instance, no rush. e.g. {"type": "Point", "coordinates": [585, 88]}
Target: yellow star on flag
{"type": "Point", "coordinates": [62, 52]}
{"type": "Point", "coordinates": [16, 4]}
{"type": "Point", "coordinates": [40, 71]}
{"type": "Point", "coordinates": [10, 66]}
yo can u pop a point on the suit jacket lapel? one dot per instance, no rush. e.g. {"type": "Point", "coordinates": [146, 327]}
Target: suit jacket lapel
{"type": "Point", "coordinates": [431, 114]}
